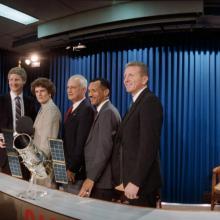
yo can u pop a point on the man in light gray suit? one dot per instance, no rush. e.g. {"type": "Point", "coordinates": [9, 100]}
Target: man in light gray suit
{"type": "Point", "coordinates": [99, 144]}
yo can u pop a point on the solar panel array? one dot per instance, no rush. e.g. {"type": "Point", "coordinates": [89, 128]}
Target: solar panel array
{"type": "Point", "coordinates": [8, 136]}
{"type": "Point", "coordinates": [15, 166]}
{"type": "Point", "coordinates": [57, 152]}
{"type": "Point", "coordinates": [13, 157]}
{"type": "Point", "coordinates": [59, 166]}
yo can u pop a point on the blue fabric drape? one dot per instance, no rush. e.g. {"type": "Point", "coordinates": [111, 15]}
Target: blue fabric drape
{"type": "Point", "coordinates": [187, 80]}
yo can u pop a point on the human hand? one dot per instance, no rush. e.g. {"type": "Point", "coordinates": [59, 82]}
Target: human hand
{"type": "Point", "coordinates": [86, 188]}
{"type": "Point", "coordinates": [2, 141]}
{"type": "Point", "coordinates": [70, 176]}
{"type": "Point", "coordinates": [131, 191]}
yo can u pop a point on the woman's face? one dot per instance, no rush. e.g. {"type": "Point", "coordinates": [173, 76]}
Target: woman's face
{"type": "Point", "coordinates": [42, 95]}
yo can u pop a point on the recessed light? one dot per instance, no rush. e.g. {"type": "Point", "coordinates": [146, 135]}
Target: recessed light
{"type": "Point", "coordinates": [16, 15]}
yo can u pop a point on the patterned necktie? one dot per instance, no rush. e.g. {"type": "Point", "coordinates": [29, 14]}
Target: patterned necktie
{"type": "Point", "coordinates": [17, 107]}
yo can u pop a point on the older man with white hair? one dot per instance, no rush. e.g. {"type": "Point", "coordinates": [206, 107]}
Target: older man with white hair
{"type": "Point", "coordinates": [77, 123]}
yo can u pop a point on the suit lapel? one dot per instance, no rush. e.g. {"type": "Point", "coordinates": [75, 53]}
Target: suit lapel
{"type": "Point", "coordinates": [134, 106]}
{"type": "Point", "coordinates": [106, 105]}
{"type": "Point", "coordinates": [26, 105]}
{"type": "Point", "coordinates": [78, 108]}
{"type": "Point", "coordinates": [9, 108]}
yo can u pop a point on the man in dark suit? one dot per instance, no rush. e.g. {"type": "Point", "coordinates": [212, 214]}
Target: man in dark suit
{"type": "Point", "coordinates": [77, 123]}
{"type": "Point", "coordinates": [98, 148]}
{"type": "Point", "coordinates": [16, 78]}
{"type": "Point", "coordinates": [135, 163]}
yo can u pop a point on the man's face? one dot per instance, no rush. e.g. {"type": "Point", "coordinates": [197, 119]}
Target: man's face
{"type": "Point", "coordinates": [42, 95]}
{"type": "Point", "coordinates": [75, 91]}
{"type": "Point", "coordinates": [134, 81]}
{"type": "Point", "coordinates": [15, 83]}
{"type": "Point", "coordinates": [97, 93]}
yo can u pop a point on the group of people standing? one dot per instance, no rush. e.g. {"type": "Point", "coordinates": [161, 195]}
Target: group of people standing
{"type": "Point", "coordinates": [106, 158]}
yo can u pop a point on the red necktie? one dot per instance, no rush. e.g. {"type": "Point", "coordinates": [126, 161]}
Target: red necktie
{"type": "Point", "coordinates": [67, 114]}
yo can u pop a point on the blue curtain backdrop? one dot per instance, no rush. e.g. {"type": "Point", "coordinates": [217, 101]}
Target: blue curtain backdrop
{"type": "Point", "coordinates": [186, 78]}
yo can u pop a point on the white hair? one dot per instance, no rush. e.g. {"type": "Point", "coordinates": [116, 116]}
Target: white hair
{"type": "Point", "coordinates": [82, 80]}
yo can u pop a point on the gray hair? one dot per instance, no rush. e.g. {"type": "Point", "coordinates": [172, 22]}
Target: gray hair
{"type": "Point", "coordinates": [82, 80]}
{"type": "Point", "coordinates": [143, 67]}
{"type": "Point", "coordinates": [18, 71]}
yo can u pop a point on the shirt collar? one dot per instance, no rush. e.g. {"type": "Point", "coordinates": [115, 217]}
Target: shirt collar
{"type": "Point", "coordinates": [134, 98]}
{"type": "Point", "coordinates": [76, 104]}
{"type": "Point", "coordinates": [13, 95]}
{"type": "Point", "coordinates": [101, 104]}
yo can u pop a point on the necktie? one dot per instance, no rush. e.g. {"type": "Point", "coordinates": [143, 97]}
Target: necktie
{"type": "Point", "coordinates": [131, 103]}
{"type": "Point", "coordinates": [95, 115]}
{"type": "Point", "coordinates": [17, 108]}
{"type": "Point", "coordinates": [67, 114]}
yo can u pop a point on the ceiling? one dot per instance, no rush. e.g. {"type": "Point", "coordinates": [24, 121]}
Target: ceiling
{"type": "Point", "coordinates": [20, 38]}
{"type": "Point", "coordinates": [23, 39]}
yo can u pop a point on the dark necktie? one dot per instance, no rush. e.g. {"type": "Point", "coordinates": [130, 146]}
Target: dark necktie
{"type": "Point", "coordinates": [95, 114]}
{"type": "Point", "coordinates": [17, 107]}
{"type": "Point", "coordinates": [131, 103]}
{"type": "Point", "coordinates": [67, 114]}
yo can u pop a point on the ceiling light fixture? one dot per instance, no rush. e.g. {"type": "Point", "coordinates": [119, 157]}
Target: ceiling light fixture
{"type": "Point", "coordinates": [16, 15]}
{"type": "Point", "coordinates": [68, 47]}
{"type": "Point", "coordinates": [32, 60]}
{"type": "Point", "coordinates": [27, 61]}
{"type": "Point", "coordinates": [34, 57]}
{"type": "Point", "coordinates": [76, 48]}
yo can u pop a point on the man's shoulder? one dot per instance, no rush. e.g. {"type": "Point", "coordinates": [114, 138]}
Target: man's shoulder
{"type": "Point", "coordinates": [113, 109]}
{"type": "Point", "coordinates": [5, 98]}
{"type": "Point", "coordinates": [5, 103]}
{"type": "Point", "coordinates": [109, 109]}
{"type": "Point", "coordinates": [86, 105]}
{"type": "Point", "coordinates": [1, 98]}
{"type": "Point", "coordinates": [151, 101]}
{"type": "Point", "coordinates": [150, 97]}
{"type": "Point", "coordinates": [85, 108]}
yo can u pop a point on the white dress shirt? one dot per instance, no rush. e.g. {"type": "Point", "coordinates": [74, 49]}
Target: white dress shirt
{"type": "Point", "coordinates": [134, 98]}
{"type": "Point", "coordinates": [76, 104]}
{"type": "Point", "coordinates": [101, 104]}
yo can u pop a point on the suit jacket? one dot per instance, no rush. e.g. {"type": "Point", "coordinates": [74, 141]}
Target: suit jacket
{"type": "Point", "coordinates": [136, 153]}
{"type": "Point", "coordinates": [99, 145]}
{"type": "Point", "coordinates": [6, 119]}
{"type": "Point", "coordinates": [46, 125]}
{"type": "Point", "coordinates": [76, 131]}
